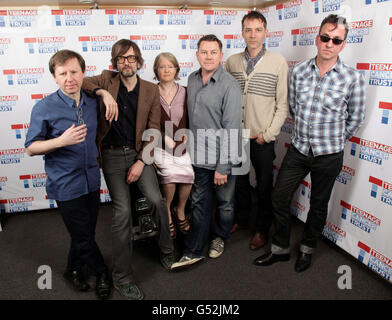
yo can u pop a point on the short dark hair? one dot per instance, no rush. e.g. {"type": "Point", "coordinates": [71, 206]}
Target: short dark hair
{"type": "Point", "coordinates": [335, 20]}
{"type": "Point", "coordinates": [121, 47]}
{"type": "Point", "coordinates": [210, 37]}
{"type": "Point", "coordinates": [254, 15]}
{"type": "Point", "coordinates": [62, 56]}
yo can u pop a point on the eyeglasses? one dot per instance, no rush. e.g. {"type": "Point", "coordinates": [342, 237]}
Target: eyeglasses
{"type": "Point", "coordinates": [130, 59]}
{"type": "Point", "coordinates": [326, 39]}
{"type": "Point", "coordinates": [79, 113]}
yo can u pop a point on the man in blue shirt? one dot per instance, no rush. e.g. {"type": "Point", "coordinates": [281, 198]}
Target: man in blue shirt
{"type": "Point", "coordinates": [63, 127]}
{"type": "Point", "coordinates": [327, 102]}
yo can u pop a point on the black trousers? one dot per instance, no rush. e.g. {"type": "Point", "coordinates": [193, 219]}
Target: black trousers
{"type": "Point", "coordinates": [262, 157]}
{"type": "Point", "coordinates": [80, 217]}
{"type": "Point", "coordinates": [295, 166]}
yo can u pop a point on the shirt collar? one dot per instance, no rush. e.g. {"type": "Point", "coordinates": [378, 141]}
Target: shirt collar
{"type": "Point", "coordinates": [135, 89]}
{"type": "Point", "coordinates": [336, 67]}
{"type": "Point", "coordinates": [69, 101]}
{"type": "Point", "coordinates": [215, 77]}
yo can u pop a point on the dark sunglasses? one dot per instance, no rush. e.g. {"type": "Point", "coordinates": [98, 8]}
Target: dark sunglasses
{"type": "Point", "coordinates": [334, 40]}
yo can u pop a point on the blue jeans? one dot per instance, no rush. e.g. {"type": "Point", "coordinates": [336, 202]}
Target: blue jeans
{"type": "Point", "coordinates": [202, 200]}
{"type": "Point", "coordinates": [295, 166]}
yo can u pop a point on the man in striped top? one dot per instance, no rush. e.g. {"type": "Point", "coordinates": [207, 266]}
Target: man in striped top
{"type": "Point", "coordinates": [263, 77]}
{"type": "Point", "coordinates": [327, 102]}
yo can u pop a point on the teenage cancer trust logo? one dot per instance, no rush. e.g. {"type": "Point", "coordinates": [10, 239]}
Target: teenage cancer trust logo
{"type": "Point", "coordinates": [174, 16]}
{"type": "Point", "coordinates": [11, 156]}
{"type": "Point", "coordinates": [16, 204]}
{"type": "Point", "coordinates": [359, 29]}
{"type": "Point", "coordinates": [71, 18]}
{"type": "Point", "coordinates": [220, 17]}
{"type": "Point", "coordinates": [333, 232]}
{"type": "Point", "coordinates": [305, 36]}
{"type": "Point", "coordinates": [386, 108]}
{"type": "Point", "coordinates": [34, 180]}
{"type": "Point", "coordinates": [326, 5]}
{"type": "Point", "coordinates": [346, 174]}
{"type": "Point", "coordinates": [20, 130]}
{"type": "Point", "coordinates": [97, 43]}
{"type": "Point", "coordinates": [24, 76]}
{"type": "Point", "coordinates": [125, 17]}
{"type": "Point", "coordinates": [359, 218]}
{"type": "Point", "coordinates": [18, 18]}
{"type": "Point", "coordinates": [380, 73]}
{"type": "Point", "coordinates": [378, 262]}
{"type": "Point", "coordinates": [383, 186]}
{"type": "Point", "coordinates": [370, 151]}
{"type": "Point", "coordinates": [289, 10]}
{"type": "Point", "coordinates": [43, 45]}
{"type": "Point", "coordinates": [8, 102]}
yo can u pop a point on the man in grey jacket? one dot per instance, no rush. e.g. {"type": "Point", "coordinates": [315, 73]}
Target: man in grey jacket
{"type": "Point", "coordinates": [214, 109]}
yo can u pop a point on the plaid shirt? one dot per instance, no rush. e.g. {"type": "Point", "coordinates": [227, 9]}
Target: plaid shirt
{"type": "Point", "coordinates": [327, 111]}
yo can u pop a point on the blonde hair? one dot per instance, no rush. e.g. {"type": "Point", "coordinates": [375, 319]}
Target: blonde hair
{"type": "Point", "coordinates": [172, 59]}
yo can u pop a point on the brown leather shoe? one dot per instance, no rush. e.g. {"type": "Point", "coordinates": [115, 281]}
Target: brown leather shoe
{"type": "Point", "coordinates": [258, 241]}
{"type": "Point", "coordinates": [235, 228]}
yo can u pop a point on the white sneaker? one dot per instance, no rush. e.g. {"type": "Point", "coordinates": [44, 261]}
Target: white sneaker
{"type": "Point", "coordinates": [185, 262]}
{"type": "Point", "coordinates": [216, 248]}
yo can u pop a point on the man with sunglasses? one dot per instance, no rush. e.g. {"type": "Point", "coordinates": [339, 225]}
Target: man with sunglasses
{"type": "Point", "coordinates": [121, 147]}
{"type": "Point", "coordinates": [327, 103]}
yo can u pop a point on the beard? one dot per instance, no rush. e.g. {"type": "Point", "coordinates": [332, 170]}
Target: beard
{"type": "Point", "coordinates": [129, 73]}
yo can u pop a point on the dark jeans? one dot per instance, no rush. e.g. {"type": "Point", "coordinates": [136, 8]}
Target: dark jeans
{"type": "Point", "coordinates": [323, 172]}
{"type": "Point", "coordinates": [262, 157]}
{"type": "Point", "coordinates": [202, 200]}
{"type": "Point", "coordinates": [80, 218]}
{"type": "Point", "coordinates": [115, 166]}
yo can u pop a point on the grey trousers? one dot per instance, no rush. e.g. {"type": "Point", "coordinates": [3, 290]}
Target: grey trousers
{"type": "Point", "coordinates": [115, 163]}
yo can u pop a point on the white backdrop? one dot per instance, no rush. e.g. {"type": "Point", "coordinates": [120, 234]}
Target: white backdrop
{"type": "Point", "coordinates": [360, 216]}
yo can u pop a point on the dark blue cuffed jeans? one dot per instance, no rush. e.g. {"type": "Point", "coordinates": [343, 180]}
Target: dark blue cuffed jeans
{"type": "Point", "coordinates": [202, 199]}
{"type": "Point", "coordinates": [295, 166]}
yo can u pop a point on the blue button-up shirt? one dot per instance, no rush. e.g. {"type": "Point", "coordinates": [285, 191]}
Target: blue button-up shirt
{"type": "Point", "coordinates": [72, 171]}
{"type": "Point", "coordinates": [327, 110]}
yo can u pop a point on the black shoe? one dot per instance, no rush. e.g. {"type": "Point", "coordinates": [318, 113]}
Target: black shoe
{"type": "Point", "coordinates": [270, 258]}
{"type": "Point", "coordinates": [76, 279]}
{"type": "Point", "coordinates": [303, 262]}
{"type": "Point", "coordinates": [103, 286]}
{"type": "Point", "coordinates": [167, 259]}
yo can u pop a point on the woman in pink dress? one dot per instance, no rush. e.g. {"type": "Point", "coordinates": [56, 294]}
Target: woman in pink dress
{"type": "Point", "coordinates": [173, 168]}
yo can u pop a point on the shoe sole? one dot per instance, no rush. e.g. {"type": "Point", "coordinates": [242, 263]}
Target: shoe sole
{"type": "Point", "coordinates": [269, 263]}
{"type": "Point", "coordinates": [185, 266]}
{"type": "Point", "coordinates": [118, 289]}
{"type": "Point", "coordinates": [214, 256]}
{"type": "Point", "coordinates": [104, 295]}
